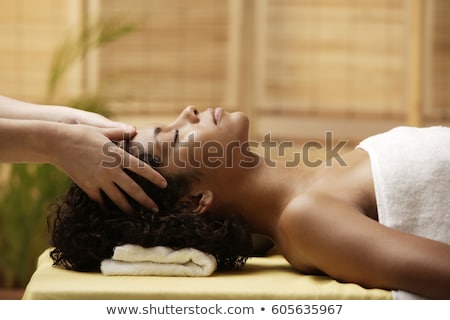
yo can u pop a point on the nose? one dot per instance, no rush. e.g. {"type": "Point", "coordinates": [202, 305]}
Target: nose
{"type": "Point", "coordinates": [190, 114]}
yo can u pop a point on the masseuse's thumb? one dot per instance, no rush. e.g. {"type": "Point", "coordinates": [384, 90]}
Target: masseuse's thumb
{"type": "Point", "coordinates": [124, 132]}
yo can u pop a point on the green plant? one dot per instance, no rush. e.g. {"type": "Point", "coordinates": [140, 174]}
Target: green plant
{"type": "Point", "coordinates": [74, 48]}
{"type": "Point", "coordinates": [31, 188]}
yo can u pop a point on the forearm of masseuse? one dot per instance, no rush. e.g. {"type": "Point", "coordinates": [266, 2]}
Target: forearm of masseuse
{"type": "Point", "coordinates": [27, 140]}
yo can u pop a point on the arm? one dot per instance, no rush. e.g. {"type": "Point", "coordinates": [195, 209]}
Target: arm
{"type": "Point", "coordinates": [24, 140]}
{"type": "Point", "coordinates": [26, 128]}
{"type": "Point", "coordinates": [16, 109]}
{"type": "Point", "coordinates": [338, 239]}
{"type": "Point", "coordinates": [21, 110]}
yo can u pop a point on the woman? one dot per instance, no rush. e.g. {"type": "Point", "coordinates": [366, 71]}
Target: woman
{"type": "Point", "coordinates": [322, 219]}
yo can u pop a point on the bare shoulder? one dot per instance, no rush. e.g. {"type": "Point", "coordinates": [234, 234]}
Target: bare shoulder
{"type": "Point", "coordinates": [315, 228]}
{"type": "Point", "coordinates": [318, 231]}
{"type": "Point", "coordinates": [307, 207]}
{"type": "Point", "coordinates": [298, 226]}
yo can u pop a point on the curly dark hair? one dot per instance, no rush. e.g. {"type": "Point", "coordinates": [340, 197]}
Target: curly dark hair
{"type": "Point", "coordinates": [83, 234]}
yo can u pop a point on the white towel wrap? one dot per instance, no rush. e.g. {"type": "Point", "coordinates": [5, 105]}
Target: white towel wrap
{"type": "Point", "coordinates": [158, 261]}
{"type": "Point", "coordinates": [411, 172]}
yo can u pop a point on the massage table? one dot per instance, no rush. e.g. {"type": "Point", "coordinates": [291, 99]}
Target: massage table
{"type": "Point", "coordinates": [262, 278]}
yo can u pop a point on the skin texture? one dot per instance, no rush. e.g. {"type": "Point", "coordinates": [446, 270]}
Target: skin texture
{"type": "Point", "coordinates": [322, 219]}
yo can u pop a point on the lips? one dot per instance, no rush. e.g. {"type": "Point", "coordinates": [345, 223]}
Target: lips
{"type": "Point", "coordinates": [217, 115]}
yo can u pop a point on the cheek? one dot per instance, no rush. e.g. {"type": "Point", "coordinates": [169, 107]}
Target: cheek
{"type": "Point", "coordinates": [210, 146]}
{"type": "Point", "coordinates": [185, 156]}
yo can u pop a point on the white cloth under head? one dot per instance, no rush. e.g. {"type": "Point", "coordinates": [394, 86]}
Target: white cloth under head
{"type": "Point", "coordinates": [158, 261]}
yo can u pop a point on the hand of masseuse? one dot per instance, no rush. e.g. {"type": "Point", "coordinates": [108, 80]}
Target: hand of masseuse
{"type": "Point", "coordinates": [95, 163]}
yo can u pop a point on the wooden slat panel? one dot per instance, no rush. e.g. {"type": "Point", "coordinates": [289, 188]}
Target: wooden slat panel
{"type": "Point", "coordinates": [29, 34]}
{"type": "Point", "coordinates": [441, 56]}
{"type": "Point", "coordinates": [337, 56]}
{"type": "Point", "coordinates": [177, 56]}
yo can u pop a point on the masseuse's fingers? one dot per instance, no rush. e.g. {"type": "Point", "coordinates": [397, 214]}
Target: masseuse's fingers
{"type": "Point", "coordinates": [120, 133]}
{"type": "Point", "coordinates": [116, 196]}
{"type": "Point", "coordinates": [144, 170]}
{"type": "Point", "coordinates": [129, 186]}
{"type": "Point", "coordinates": [97, 197]}
{"type": "Point", "coordinates": [131, 162]}
{"type": "Point", "coordinates": [96, 120]}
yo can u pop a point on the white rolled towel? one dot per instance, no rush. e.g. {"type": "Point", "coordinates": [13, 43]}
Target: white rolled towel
{"type": "Point", "coordinates": [131, 259]}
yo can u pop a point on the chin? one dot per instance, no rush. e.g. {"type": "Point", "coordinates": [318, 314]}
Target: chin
{"type": "Point", "coordinates": [242, 124]}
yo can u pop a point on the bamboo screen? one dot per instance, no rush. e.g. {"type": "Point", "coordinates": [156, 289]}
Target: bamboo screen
{"type": "Point", "coordinates": [29, 34]}
{"type": "Point", "coordinates": [178, 55]}
{"type": "Point", "coordinates": [320, 58]}
{"type": "Point", "coordinates": [332, 57]}
{"type": "Point", "coordinates": [323, 57]}
{"type": "Point", "coordinates": [437, 64]}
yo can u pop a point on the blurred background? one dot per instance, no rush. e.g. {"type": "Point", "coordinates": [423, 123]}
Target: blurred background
{"type": "Point", "coordinates": [298, 68]}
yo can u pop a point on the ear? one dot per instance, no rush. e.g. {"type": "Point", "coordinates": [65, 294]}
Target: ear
{"type": "Point", "coordinates": [205, 200]}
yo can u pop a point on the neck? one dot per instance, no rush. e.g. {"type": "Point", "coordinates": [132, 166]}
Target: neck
{"type": "Point", "coordinates": [261, 193]}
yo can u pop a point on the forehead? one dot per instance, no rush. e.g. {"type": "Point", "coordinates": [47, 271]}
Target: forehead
{"type": "Point", "coordinates": [152, 139]}
{"type": "Point", "coordinates": [147, 133]}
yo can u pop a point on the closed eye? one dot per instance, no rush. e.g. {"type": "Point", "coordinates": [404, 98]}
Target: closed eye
{"type": "Point", "coordinates": [175, 139]}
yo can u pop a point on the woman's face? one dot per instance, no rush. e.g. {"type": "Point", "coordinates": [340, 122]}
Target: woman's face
{"type": "Point", "coordinates": [210, 139]}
